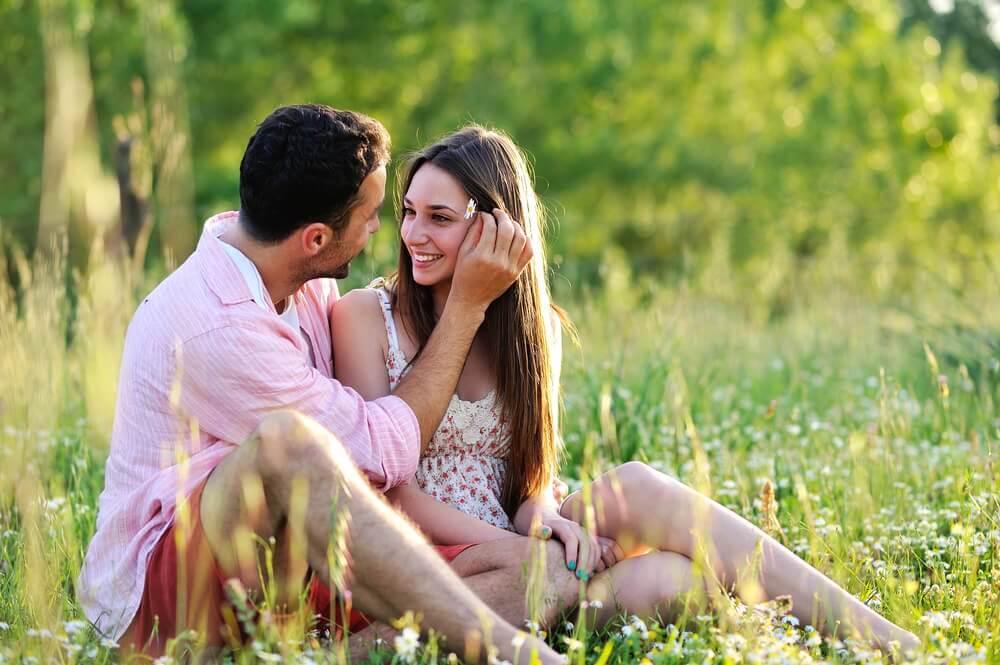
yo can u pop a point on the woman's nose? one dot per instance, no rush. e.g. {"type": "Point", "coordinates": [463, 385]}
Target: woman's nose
{"type": "Point", "coordinates": [413, 231]}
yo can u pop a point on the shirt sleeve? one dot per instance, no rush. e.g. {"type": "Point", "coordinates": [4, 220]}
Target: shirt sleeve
{"type": "Point", "coordinates": [231, 377]}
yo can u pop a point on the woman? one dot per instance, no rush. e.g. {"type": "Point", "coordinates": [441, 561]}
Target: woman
{"type": "Point", "coordinates": [489, 468]}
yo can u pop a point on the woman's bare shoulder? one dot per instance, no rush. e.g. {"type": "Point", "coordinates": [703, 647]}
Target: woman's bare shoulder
{"type": "Point", "coordinates": [358, 311]}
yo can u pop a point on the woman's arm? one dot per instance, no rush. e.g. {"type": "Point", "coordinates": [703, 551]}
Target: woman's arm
{"type": "Point", "coordinates": [359, 347]}
{"type": "Point", "coordinates": [360, 344]}
{"type": "Point", "coordinates": [544, 507]}
{"type": "Point", "coordinates": [441, 523]}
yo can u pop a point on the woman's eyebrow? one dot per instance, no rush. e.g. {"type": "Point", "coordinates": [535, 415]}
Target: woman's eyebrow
{"type": "Point", "coordinates": [441, 206]}
{"type": "Point", "coordinates": [433, 206]}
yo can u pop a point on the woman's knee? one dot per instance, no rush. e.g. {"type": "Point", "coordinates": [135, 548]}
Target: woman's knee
{"type": "Point", "coordinates": [640, 482]}
{"type": "Point", "coordinates": [662, 579]}
{"type": "Point", "coordinates": [674, 574]}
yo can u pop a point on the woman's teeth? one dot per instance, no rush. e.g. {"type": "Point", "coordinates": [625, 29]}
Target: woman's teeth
{"type": "Point", "coordinates": [427, 258]}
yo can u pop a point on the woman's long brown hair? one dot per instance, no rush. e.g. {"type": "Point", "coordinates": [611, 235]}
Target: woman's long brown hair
{"type": "Point", "coordinates": [495, 174]}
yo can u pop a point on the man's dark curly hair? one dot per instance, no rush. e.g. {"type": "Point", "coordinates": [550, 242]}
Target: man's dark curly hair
{"type": "Point", "coordinates": [304, 164]}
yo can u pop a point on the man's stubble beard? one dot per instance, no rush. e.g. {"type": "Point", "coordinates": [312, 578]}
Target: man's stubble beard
{"type": "Point", "coordinates": [319, 268]}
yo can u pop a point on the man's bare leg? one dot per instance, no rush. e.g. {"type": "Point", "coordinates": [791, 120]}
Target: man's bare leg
{"type": "Point", "coordinates": [495, 572]}
{"type": "Point", "coordinates": [284, 483]}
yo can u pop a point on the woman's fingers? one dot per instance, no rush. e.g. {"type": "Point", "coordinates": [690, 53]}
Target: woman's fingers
{"type": "Point", "coordinates": [506, 230]}
{"type": "Point", "coordinates": [570, 543]}
{"type": "Point", "coordinates": [595, 553]}
{"type": "Point", "coordinates": [472, 236]}
{"type": "Point", "coordinates": [559, 490]}
{"type": "Point", "coordinates": [590, 554]}
{"type": "Point", "coordinates": [517, 243]}
{"type": "Point", "coordinates": [488, 236]}
{"type": "Point", "coordinates": [610, 552]}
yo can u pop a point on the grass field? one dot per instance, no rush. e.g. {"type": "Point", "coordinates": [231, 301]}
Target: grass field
{"type": "Point", "coordinates": [875, 424]}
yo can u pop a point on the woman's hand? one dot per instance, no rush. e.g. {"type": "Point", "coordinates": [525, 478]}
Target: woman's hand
{"type": "Point", "coordinates": [611, 552]}
{"type": "Point", "coordinates": [586, 553]}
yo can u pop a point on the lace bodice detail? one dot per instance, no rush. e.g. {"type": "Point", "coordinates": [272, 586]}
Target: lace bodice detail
{"type": "Point", "coordinates": [466, 459]}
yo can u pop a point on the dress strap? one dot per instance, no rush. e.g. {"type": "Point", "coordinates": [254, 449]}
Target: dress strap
{"type": "Point", "coordinates": [390, 324]}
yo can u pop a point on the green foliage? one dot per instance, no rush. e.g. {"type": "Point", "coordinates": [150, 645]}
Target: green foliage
{"type": "Point", "coordinates": [711, 141]}
{"type": "Point", "coordinates": [875, 425]}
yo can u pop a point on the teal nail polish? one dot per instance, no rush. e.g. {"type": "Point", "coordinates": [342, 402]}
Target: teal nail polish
{"type": "Point", "coordinates": [571, 565]}
{"type": "Point", "coordinates": [582, 575]}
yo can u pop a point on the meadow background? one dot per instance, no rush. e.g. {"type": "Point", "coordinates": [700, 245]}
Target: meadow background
{"type": "Point", "coordinates": [776, 225]}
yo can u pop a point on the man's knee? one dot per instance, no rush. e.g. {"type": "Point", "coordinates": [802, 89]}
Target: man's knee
{"type": "Point", "coordinates": [288, 443]}
{"type": "Point", "coordinates": [561, 583]}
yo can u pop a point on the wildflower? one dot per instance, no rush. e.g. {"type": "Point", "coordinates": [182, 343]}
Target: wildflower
{"type": "Point", "coordinates": [4, 626]}
{"type": "Point", "coordinates": [108, 644]}
{"type": "Point", "coordinates": [406, 643]}
{"type": "Point", "coordinates": [269, 657]}
{"type": "Point", "coordinates": [639, 626]}
{"type": "Point", "coordinates": [569, 626]}
{"type": "Point", "coordinates": [74, 626]}
{"type": "Point", "coordinates": [518, 640]}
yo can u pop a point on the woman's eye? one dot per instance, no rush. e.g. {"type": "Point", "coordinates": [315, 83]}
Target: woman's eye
{"type": "Point", "coordinates": [407, 212]}
{"type": "Point", "coordinates": [440, 218]}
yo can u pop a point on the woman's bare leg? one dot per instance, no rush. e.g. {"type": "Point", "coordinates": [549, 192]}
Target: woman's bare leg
{"type": "Point", "coordinates": [648, 585]}
{"type": "Point", "coordinates": [641, 507]}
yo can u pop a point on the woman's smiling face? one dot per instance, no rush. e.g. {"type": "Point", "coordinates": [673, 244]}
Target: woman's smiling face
{"type": "Point", "coordinates": [434, 224]}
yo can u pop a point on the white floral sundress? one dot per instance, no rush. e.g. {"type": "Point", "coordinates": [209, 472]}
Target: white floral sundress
{"type": "Point", "coordinates": [466, 459]}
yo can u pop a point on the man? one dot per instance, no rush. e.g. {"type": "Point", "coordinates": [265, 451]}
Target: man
{"type": "Point", "coordinates": [206, 463]}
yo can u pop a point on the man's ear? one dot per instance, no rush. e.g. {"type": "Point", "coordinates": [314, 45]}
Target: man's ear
{"type": "Point", "coordinates": [315, 237]}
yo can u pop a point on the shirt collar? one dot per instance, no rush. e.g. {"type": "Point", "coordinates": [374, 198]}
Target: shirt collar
{"type": "Point", "coordinates": [217, 268]}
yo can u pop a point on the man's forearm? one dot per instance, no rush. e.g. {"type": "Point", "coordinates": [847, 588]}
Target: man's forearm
{"type": "Point", "coordinates": [428, 386]}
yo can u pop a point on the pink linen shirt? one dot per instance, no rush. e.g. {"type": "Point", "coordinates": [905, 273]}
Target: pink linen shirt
{"type": "Point", "coordinates": [200, 350]}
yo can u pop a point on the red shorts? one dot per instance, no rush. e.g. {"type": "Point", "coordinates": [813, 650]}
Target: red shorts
{"type": "Point", "coordinates": [184, 587]}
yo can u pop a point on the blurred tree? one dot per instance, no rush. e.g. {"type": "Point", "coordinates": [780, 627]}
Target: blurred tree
{"type": "Point", "coordinates": [760, 144]}
{"type": "Point", "coordinates": [966, 24]}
